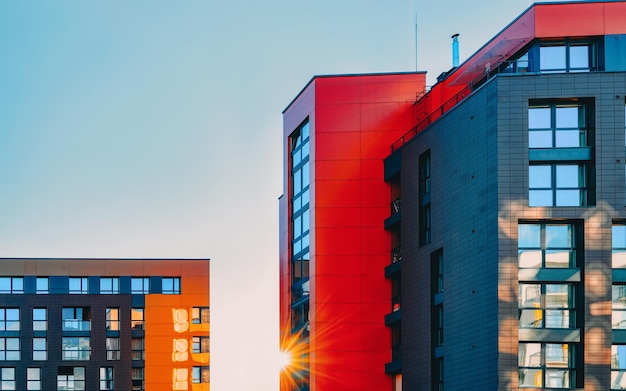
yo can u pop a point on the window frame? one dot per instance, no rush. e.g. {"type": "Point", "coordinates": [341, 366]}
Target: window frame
{"type": "Point", "coordinates": [13, 354]}
{"type": "Point", "coordinates": [575, 249]}
{"type": "Point", "coordinates": [200, 344]}
{"type": "Point", "coordinates": [78, 286]}
{"type": "Point", "coordinates": [40, 354]}
{"type": "Point", "coordinates": [14, 285]}
{"type": "Point", "coordinates": [12, 324]}
{"type": "Point", "coordinates": [200, 315]}
{"type": "Point", "coordinates": [173, 286]}
{"type": "Point", "coordinates": [80, 353]}
{"type": "Point", "coordinates": [33, 384]}
{"type": "Point", "coordinates": [544, 369]}
{"type": "Point", "coordinates": [144, 283]}
{"type": "Point", "coordinates": [109, 285]}
{"type": "Point", "coordinates": [107, 378]}
{"type": "Point", "coordinates": [545, 312]}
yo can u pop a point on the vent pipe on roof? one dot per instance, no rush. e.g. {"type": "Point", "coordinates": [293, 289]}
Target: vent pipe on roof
{"type": "Point", "coordinates": [455, 50]}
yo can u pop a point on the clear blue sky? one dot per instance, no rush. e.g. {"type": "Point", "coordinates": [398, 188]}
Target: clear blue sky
{"type": "Point", "coordinates": [153, 129]}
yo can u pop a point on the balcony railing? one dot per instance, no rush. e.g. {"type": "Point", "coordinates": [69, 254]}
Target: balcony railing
{"type": "Point", "coordinates": [76, 325]}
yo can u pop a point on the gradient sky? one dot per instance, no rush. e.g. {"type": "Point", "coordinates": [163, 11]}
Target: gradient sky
{"type": "Point", "coordinates": [147, 128]}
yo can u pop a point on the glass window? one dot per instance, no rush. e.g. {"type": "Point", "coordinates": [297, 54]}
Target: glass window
{"type": "Point", "coordinates": [9, 319]}
{"type": "Point", "coordinates": [33, 378]}
{"type": "Point", "coordinates": [76, 318]}
{"type": "Point", "coordinates": [565, 57]}
{"type": "Point", "coordinates": [618, 236]}
{"type": "Point", "coordinates": [170, 285]}
{"type": "Point", "coordinates": [557, 185]}
{"type": "Point", "coordinates": [557, 126]}
{"type": "Point", "coordinates": [546, 245]}
{"type": "Point", "coordinates": [40, 319]}
{"type": "Point", "coordinates": [200, 375]}
{"type": "Point", "coordinates": [552, 58]}
{"type": "Point", "coordinates": [199, 344]}
{"type": "Point", "coordinates": [71, 379]}
{"type": "Point", "coordinates": [43, 286]}
{"type": "Point", "coordinates": [9, 349]}
{"type": "Point", "coordinates": [106, 378]}
{"type": "Point", "coordinates": [7, 378]}
{"type": "Point", "coordinates": [136, 318]}
{"type": "Point", "coordinates": [137, 377]}
{"type": "Point", "coordinates": [618, 367]}
{"type": "Point", "coordinates": [40, 349]}
{"type": "Point", "coordinates": [200, 315]}
{"type": "Point", "coordinates": [109, 285]}
{"type": "Point", "coordinates": [546, 306]}
{"type": "Point", "coordinates": [618, 307]}
{"type": "Point", "coordinates": [14, 285]}
{"type": "Point", "coordinates": [549, 365]}
{"type": "Point", "coordinates": [79, 285]}
{"type": "Point", "coordinates": [113, 319]}
{"type": "Point", "coordinates": [140, 285]}
{"type": "Point", "coordinates": [137, 349]}
{"type": "Point", "coordinates": [75, 348]}
{"type": "Point", "coordinates": [113, 348]}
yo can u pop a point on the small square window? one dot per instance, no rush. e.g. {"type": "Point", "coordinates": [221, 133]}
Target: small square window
{"type": "Point", "coordinates": [43, 286]}
{"type": "Point", "coordinates": [79, 285]}
{"type": "Point", "coordinates": [140, 285]}
{"type": "Point", "coordinates": [9, 349]}
{"type": "Point", "coordinates": [200, 344]}
{"type": "Point", "coordinates": [109, 285]}
{"type": "Point", "coordinates": [171, 285]}
{"type": "Point", "coordinates": [200, 315]}
{"type": "Point", "coordinates": [200, 375]}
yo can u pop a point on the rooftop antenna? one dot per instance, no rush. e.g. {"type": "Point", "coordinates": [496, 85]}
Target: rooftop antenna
{"type": "Point", "coordinates": [455, 50]}
{"type": "Point", "coordinates": [415, 8]}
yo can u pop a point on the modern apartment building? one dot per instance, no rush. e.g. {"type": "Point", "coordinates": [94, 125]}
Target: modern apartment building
{"type": "Point", "coordinates": [104, 324]}
{"type": "Point", "coordinates": [493, 257]}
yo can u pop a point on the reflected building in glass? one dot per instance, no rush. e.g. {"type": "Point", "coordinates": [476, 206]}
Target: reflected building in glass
{"type": "Point", "coordinates": [104, 324]}
{"type": "Point", "coordinates": [469, 233]}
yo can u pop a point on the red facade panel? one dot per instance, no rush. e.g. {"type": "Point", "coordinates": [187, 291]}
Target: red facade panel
{"type": "Point", "coordinates": [353, 121]}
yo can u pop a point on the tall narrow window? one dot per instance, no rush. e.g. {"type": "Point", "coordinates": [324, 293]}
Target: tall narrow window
{"type": "Point", "coordinates": [113, 348]}
{"type": "Point", "coordinates": [136, 318]}
{"type": "Point", "coordinates": [42, 286]}
{"type": "Point", "coordinates": [40, 349]}
{"type": "Point", "coordinates": [561, 168]}
{"type": "Point", "coordinates": [33, 379]}
{"type": "Point", "coordinates": [113, 319]}
{"type": "Point", "coordinates": [106, 378]}
{"type": "Point", "coordinates": [618, 238]}
{"type": "Point", "coordinates": [618, 367]}
{"type": "Point", "coordinates": [40, 319]}
{"type": "Point", "coordinates": [137, 377]}
{"type": "Point", "coordinates": [137, 349]}
{"type": "Point", "coordinates": [424, 193]}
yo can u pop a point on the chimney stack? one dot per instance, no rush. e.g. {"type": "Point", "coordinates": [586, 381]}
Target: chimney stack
{"type": "Point", "coordinates": [455, 50]}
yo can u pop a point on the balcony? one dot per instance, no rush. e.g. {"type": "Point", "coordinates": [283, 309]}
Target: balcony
{"type": "Point", "coordinates": [395, 366]}
{"type": "Point", "coordinates": [396, 214]}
